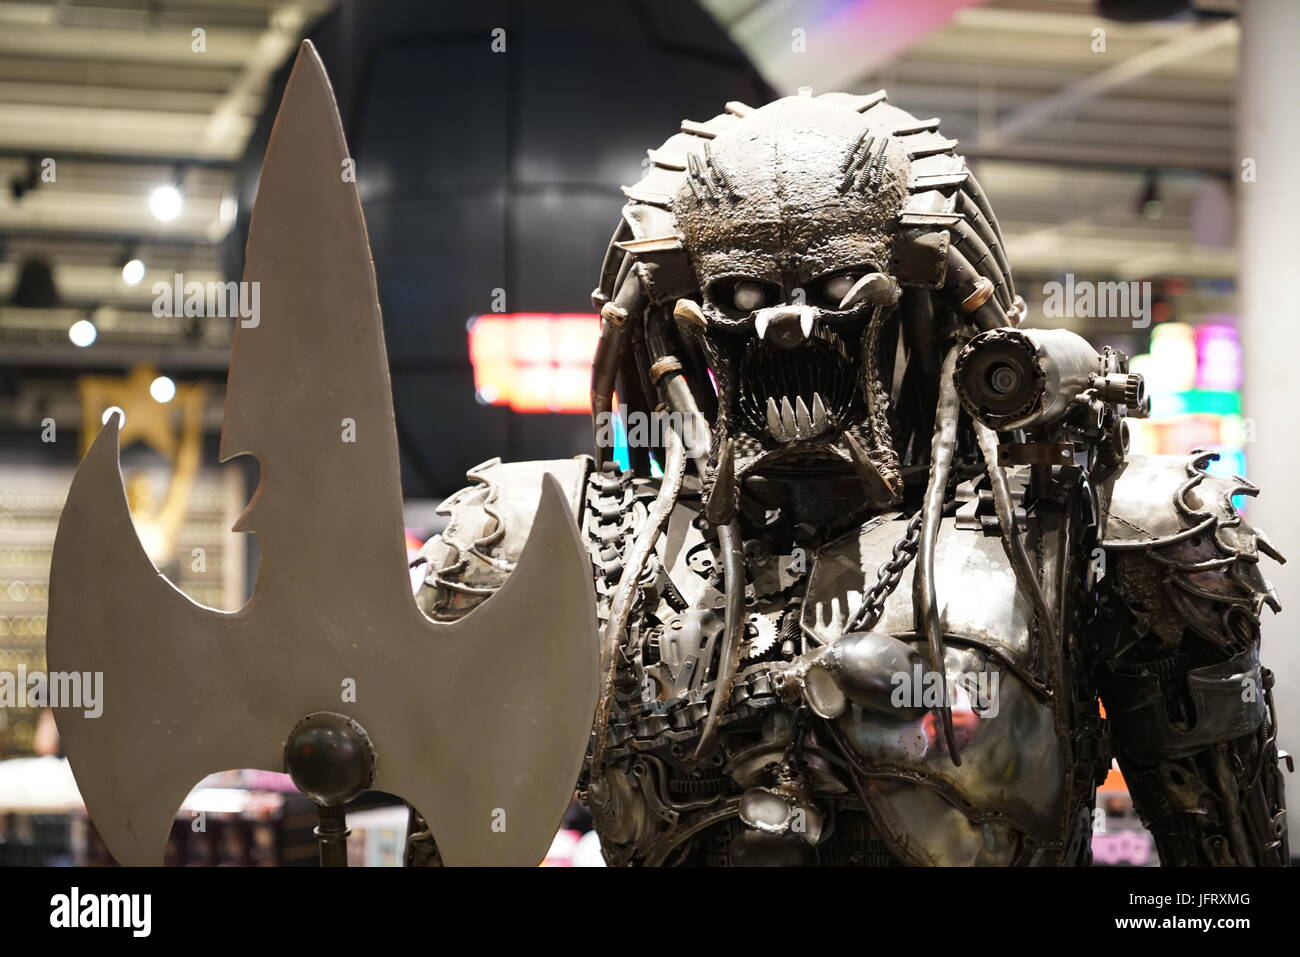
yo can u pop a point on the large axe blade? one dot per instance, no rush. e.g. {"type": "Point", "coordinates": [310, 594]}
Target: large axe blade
{"type": "Point", "coordinates": [480, 724]}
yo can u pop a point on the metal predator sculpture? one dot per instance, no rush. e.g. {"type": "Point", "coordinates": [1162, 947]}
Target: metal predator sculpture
{"type": "Point", "coordinates": [866, 610]}
{"type": "Point", "coordinates": [874, 476]}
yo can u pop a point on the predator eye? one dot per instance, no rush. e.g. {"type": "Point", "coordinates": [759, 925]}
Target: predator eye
{"type": "Point", "coordinates": [749, 296]}
{"type": "Point", "coordinates": [829, 291]}
{"type": "Point", "coordinates": [836, 288]}
{"type": "Point", "coordinates": [738, 296]}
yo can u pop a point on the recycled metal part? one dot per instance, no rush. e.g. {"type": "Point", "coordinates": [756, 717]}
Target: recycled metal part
{"type": "Point", "coordinates": [924, 596]}
{"type": "Point", "coordinates": [332, 625]}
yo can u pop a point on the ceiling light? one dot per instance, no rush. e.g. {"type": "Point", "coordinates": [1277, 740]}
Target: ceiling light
{"type": "Point", "coordinates": [165, 203]}
{"type": "Point", "coordinates": [82, 333]}
{"type": "Point", "coordinates": [132, 272]}
{"type": "Point", "coordinates": [162, 389]}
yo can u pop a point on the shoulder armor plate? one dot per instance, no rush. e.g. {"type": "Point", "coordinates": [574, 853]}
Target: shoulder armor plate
{"type": "Point", "coordinates": [488, 523]}
{"type": "Point", "coordinates": [1184, 557]}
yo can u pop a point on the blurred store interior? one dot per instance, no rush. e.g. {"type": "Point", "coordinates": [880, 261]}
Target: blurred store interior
{"type": "Point", "coordinates": [1144, 149]}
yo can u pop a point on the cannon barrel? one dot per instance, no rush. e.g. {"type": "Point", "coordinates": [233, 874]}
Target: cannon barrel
{"type": "Point", "coordinates": [1030, 378]}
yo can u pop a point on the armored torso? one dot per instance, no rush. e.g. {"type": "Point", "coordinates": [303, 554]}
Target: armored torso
{"type": "Point", "coordinates": [864, 785]}
{"type": "Point", "coordinates": [1016, 796]}
{"type": "Point", "coordinates": [786, 785]}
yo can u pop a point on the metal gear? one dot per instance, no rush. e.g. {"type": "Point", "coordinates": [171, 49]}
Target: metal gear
{"type": "Point", "coordinates": [761, 631]}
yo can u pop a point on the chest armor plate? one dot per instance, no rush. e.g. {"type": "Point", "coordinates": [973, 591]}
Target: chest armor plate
{"type": "Point", "coordinates": [1013, 773]}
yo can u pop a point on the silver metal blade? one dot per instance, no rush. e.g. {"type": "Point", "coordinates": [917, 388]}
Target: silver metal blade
{"type": "Point", "coordinates": [481, 725]}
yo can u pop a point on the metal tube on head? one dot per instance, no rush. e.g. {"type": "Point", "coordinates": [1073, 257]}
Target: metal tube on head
{"type": "Point", "coordinates": [627, 305]}
{"type": "Point", "coordinates": [973, 292]}
{"type": "Point", "coordinates": [921, 380]}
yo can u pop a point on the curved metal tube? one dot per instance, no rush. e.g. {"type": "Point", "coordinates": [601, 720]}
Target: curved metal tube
{"type": "Point", "coordinates": [918, 328]}
{"type": "Point", "coordinates": [960, 281]}
{"type": "Point", "coordinates": [969, 239]}
{"type": "Point", "coordinates": [972, 190]}
{"type": "Point", "coordinates": [988, 232]}
{"type": "Point", "coordinates": [1006, 512]}
{"type": "Point", "coordinates": [625, 595]}
{"type": "Point", "coordinates": [925, 601]}
{"type": "Point", "coordinates": [615, 315]}
{"type": "Point", "coordinates": [677, 396]}
{"type": "Point", "coordinates": [733, 576]}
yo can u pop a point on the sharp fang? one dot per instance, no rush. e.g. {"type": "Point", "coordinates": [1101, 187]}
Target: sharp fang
{"type": "Point", "coordinates": [774, 421]}
{"type": "Point", "coordinates": [859, 292]}
{"type": "Point", "coordinates": [806, 323]}
{"type": "Point", "coordinates": [788, 423]}
{"type": "Point", "coordinates": [760, 325]}
{"type": "Point", "coordinates": [802, 419]}
{"type": "Point", "coordinates": [819, 418]}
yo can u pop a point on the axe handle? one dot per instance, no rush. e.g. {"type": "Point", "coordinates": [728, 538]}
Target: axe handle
{"type": "Point", "coordinates": [332, 834]}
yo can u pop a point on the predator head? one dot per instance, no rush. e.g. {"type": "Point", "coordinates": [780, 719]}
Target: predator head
{"type": "Point", "coordinates": [803, 266]}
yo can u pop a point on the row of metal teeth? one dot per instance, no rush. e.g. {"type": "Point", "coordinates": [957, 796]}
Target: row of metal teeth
{"type": "Point", "coordinates": [792, 421]}
{"type": "Point", "coordinates": [808, 326]}
{"type": "Point", "coordinates": [831, 338]}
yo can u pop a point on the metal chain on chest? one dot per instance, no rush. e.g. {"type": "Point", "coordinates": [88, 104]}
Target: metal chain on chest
{"type": "Point", "coordinates": [888, 576]}
{"type": "Point", "coordinates": [890, 572]}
